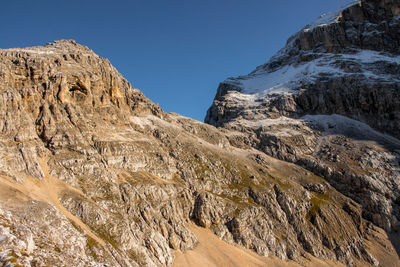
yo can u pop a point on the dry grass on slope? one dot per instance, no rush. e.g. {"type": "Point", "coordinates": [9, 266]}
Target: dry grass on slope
{"type": "Point", "coordinates": [213, 252]}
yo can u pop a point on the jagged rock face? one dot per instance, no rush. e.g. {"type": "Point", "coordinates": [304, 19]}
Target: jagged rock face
{"type": "Point", "coordinates": [327, 102]}
{"type": "Point", "coordinates": [367, 24]}
{"type": "Point", "coordinates": [346, 63]}
{"type": "Point", "coordinates": [92, 173]}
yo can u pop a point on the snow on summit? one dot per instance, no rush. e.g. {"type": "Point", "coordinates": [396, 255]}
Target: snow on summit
{"type": "Point", "coordinates": [291, 75]}
{"type": "Point", "coordinates": [328, 18]}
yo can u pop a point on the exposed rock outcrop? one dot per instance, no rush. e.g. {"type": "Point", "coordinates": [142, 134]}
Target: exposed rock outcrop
{"type": "Point", "coordinates": [346, 62]}
{"type": "Point", "coordinates": [329, 102]}
{"type": "Point", "coordinates": [92, 173]}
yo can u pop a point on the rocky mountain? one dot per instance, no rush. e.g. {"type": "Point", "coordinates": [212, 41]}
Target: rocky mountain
{"type": "Point", "coordinates": [329, 101]}
{"type": "Point", "coordinates": [92, 173]}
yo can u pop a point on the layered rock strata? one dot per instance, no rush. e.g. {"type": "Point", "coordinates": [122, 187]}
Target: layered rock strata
{"type": "Point", "coordinates": [93, 173]}
{"type": "Point", "coordinates": [329, 101]}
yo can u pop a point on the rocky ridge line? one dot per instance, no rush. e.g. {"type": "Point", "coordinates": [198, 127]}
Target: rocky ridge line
{"type": "Point", "coordinates": [329, 102]}
{"type": "Point", "coordinates": [92, 173]}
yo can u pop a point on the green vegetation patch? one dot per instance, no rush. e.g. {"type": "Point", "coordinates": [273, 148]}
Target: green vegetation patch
{"type": "Point", "coordinates": [137, 256]}
{"type": "Point", "coordinates": [317, 201]}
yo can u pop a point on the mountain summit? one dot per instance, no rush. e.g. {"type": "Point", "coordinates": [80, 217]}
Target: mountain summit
{"type": "Point", "coordinates": [337, 64]}
{"type": "Point", "coordinates": [92, 173]}
{"type": "Point", "coordinates": [329, 101]}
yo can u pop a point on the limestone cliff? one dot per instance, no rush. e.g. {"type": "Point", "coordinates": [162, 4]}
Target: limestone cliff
{"type": "Point", "coordinates": [92, 173]}
{"type": "Point", "coordinates": [329, 101]}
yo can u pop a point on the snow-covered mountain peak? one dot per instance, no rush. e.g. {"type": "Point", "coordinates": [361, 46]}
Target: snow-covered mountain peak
{"type": "Point", "coordinates": [329, 18]}
{"type": "Point", "coordinates": [345, 62]}
{"type": "Point", "coordinates": [351, 41]}
{"type": "Point", "coordinates": [327, 101]}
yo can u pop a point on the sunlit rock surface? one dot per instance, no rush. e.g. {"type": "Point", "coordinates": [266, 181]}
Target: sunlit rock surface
{"type": "Point", "coordinates": [329, 101]}
{"type": "Point", "coordinates": [93, 173]}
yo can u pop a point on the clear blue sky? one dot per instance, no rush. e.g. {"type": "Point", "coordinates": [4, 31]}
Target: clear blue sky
{"type": "Point", "coordinates": [175, 51]}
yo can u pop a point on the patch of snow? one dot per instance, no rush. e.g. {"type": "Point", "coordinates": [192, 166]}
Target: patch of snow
{"type": "Point", "coordinates": [328, 18]}
{"type": "Point", "coordinates": [282, 126]}
{"type": "Point", "coordinates": [335, 123]}
{"type": "Point", "coordinates": [40, 52]}
{"type": "Point", "coordinates": [151, 121]}
{"type": "Point", "coordinates": [269, 122]}
{"type": "Point", "coordinates": [290, 77]}
{"type": "Point", "coordinates": [338, 124]}
{"type": "Point", "coordinates": [329, 124]}
{"type": "Point", "coordinates": [369, 56]}
{"type": "Point", "coordinates": [275, 82]}
{"type": "Point", "coordinates": [285, 79]}
{"type": "Point", "coordinates": [239, 97]}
